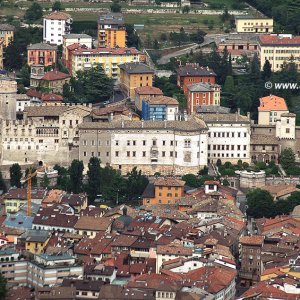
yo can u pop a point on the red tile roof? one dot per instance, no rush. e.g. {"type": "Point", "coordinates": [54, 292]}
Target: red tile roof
{"type": "Point", "coordinates": [277, 40]}
{"type": "Point", "coordinates": [106, 51]}
{"type": "Point", "coordinates": [252, 240]}
{"type": "Point", "coordinates": [52, 97]}
{"type": "Point", "coordinates": [57, 15]}
{"type": "Point", "coordinates": [148, 90]}
{"type": "Point", "coordinates": [34, 93]}
{"type": "Point", "coordinates": [55, 75]}
{"type": "Point", "coordinates": [272, 102]}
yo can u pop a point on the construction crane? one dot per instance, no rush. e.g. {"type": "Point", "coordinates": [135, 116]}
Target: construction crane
{"type": "Point", "coordinates": [28, 180]}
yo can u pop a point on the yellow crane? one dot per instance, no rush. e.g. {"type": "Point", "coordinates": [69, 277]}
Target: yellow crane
{"type": "Point", "coordinates": [28, 180]}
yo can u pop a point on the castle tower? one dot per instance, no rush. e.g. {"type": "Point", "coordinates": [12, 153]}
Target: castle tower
{"type": "Point", "coordinates": [8, 98]}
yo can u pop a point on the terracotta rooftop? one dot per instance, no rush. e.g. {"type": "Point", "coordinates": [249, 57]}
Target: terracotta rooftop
{"type": "Point", "coordinates": [272, 102]}
{"type": "Point", "coordinates": [174, 250]}
{"type": "Point", "coordinates": [252, 240]}
{"type": "Point", "coordinates": [148, 90]}
{"type": "Point", "coordinates": [277, 40]}
{"type": "Point", "coordinates": [52, 97]}
{"type": "Point", "coordinates": [34, 93]}
{"type": "Point", "coordinates": [106, 51]}
{"type": "Point", "coordinates": [93, 223]}
{"type": "Point", "coordinates": [58, 15]}
{"type": "Point", "coordinates": [55, 75]}
{"type": "Point", "coordinates": [280, 190]}
{"type": "Point", "coordinates": [168, 181]}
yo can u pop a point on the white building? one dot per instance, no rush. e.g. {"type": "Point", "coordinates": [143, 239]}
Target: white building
{"type": "Point", "coordinates": [22, 101]}
{"type": "Point", "coordinates": [55, 26]}
{"type": "Point", "coordinates": [228, 137]}
{"type": "Point", "coordinates": [167, 147]}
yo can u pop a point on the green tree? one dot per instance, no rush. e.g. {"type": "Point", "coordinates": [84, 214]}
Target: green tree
{"type": "Point", "coordinates": [56, 6]}
{"type": "Point", "coordinates": [225, 182]}
{"type": "Point", "coordinates": [94, 179]}
{"type": "Point", "coordinates": [15, 175]}
{"type": "Point", "coordinates": [163, 37]}
{"type": "Point", "coordinates": [63, 179]}
{"type": "Point", "coordinates": [45, 181]}
{"type": "Point", "coordinates": [260, 204]}
{"type": "Point", "coordinates": [25, 75]}
{"type": "Point", "coordinates": [255, 69]}
{"type": "Point", "coordinates": [191, 180]}
{"type": "Point", "coordinates": [292, 201]}
{"type": "Point", "coordinates": [76, 176]}
{"type": "Point", "coordinates": [34, 12]}
{"type": "Point", "coordinates": [3, 187]}
{"type": "Point", "coordinates": [267, 70]}
{"type": "Point", "coordinates": [91, 86]}
{"type": "Point", "coordinates": [287, 158]}
{"type": "Point", "coordinates": [155, 44]}
{"type": "Point", "coordinates": [229, 85]}
{"type": "Point", "coordinates": [136, 183]}
{"type": "Point", "coordinates": [3, 287]}
{"type": "Point", "coordinates": [115, 6]}
{"type": "Point", "coordinates": [132, 39]}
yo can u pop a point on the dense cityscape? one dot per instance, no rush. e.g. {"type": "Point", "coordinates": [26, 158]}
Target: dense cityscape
{"type": "Point", "coordinates": [149, 150]}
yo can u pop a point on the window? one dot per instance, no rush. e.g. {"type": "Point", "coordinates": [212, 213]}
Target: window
{"type": "Point", "coordinates": [117, 153]}
{"type": "Point", "coordinates": [128, 143]}
{"type": "Point", "coordinates": [133, 153]}
{"type": "Point", "coordinates": [144, 143]}
{"type": "Point", "coordinates": [171, 153]}
{"type": "Point", "coordinates": [164, 143]}
{"type": "Point", "coordinates": [287, 130]}
{"type": "Point", "coordinates": [117, 143]}
{"type": "Point", "coordinates": [84, 153]}
{"type": "Point", "coordinates": [128, 153]}
{"type": "Point", "coordinates": [187, 143]}
{"type": "Point", "coordinates": [171, 143]}
{"type": "Point", "coordinates": [133, 143]}
{"type": "Point", "coordinates": [56, 141]}
{"type": "Point", "coordinates": [144, 153]}
{"type": "Point", "coordinates": [163, 153]}
{"type": "Point", "coordinates": [154, 142]}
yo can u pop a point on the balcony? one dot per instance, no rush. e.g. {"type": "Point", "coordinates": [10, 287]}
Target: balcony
{"type": "Point", "coordinates": [154, 154]}
{"type": "Point", "coordinates": [136, 253]}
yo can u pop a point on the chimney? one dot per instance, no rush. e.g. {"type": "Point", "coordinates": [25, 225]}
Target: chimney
{"type": "Point", "coordinates": [142, 123]}
{"type": "Point", "coordinates": [122, 123]}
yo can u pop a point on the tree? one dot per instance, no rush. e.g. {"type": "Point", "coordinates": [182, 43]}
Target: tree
{"type": "Point", "coordinates": [34, 12]}
{"type": "Point", "coordinates": [94, 179]}
{"type": "Point", "coordinates": [3, 187]}
{"type": "Point", "coordinates": [229, 85]}
{"type": "Point", "coordinates": [255, 69]}
{"type": "Point", "coordinates": [191, 180]}
{"type": "Point", "coordinates": [132, 38]}
{"type": "Point", "coordinates": [3, 287]}
{"type": "Point", "coordinates": [155, 44]}
{"type": "Point", "coordinates": [91, 86]}
{"type": "Point", "coordinates": [115, 6]}
{"type": "Point", "coordinates": [63, 180]}
{"type": "Point", "coordinates": [56, 6]}
{"type": "Point", "coordinates": [163, 37]}
{"type": "Point", "coordinates": [15, 175]}
{"type": "Point", "coordinates": [45, 182]}
{"type": "Point", "coordinates": [267, 70]}
{"type": "Point", "coordinates": [260, 204]}
{"type": "Point", "coordinates": [287, 158]}
{"type": "Point", "coordinates": [25, 75]}
{"type": "Point", "coordinates": [76, 176]}
{"type": "Point", "coordinates": [136, 183]}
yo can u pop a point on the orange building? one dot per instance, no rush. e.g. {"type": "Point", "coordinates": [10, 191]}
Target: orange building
{"type": "Point", "coordinates": [111, 31]}
{"type": "Point", "coordinates": [41, 54]}
{"type": "Point", "coordinates": [134, 75]}
{"type": "Point", "coordinates": [193, 73]}
{"type": "Point", "coordinates": [200, 94]}
{"type": "Point", "coordinates": [163, 191]}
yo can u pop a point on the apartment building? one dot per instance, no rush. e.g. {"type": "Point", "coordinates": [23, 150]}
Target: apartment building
{"type": "Point", "coordinates": [251, 261]}
{"type": "Point", "coordinates": [202, 94]}
{"type": "Point", "coordinates": [134, 75]}
{"type": "Point", "coordinates": [41, 54]}
{"type": "Point", "coordinates": [193, 73]}
{"type": "Point", "coordinates": [278, 50]}
{"type": "Point", "coordinates": [82, 58]}
{"type": "Point", "coordinates": [152, 146]}
{"type": "Point", "coordinates": [270, 109]}
{"type": "Point", "coordinates": [228, 137]}
{"type": "Point", "coordinates": [74, 38]}
{"type": "Point", "coordinates": [248, 24]}
{"type": "Point", "coordinates": [55, 26]}
{"type": "Point", "coordinates": [160, 108]}
{"type": "Point", "coordinates": [111, 30]}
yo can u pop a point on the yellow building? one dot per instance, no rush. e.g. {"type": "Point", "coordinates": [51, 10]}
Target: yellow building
{"type": "Point", "coordinates": [111, 30]}
{"type": "Point", "coordinates": [163, 191]}
{"type": "Point", "coordinates": [110, 59]}
{"type": "Point", "coordinates": [278, 50]}
{"type": "Point", "coordinates": [270, 109]}
{"type": "Point", "coordinates": [134, 75]}
{"type": "Point", "coordinates": [36, 243]}
{"type": "Point", "coordinates": [7, 33]}
{"type": "Point", "coordinates": [276, 272]}
{"type": "Point", "coordinates": [246, 24]}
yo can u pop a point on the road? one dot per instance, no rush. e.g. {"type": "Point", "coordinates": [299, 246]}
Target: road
{"type": "Point", "coordinates": [166, 58]}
